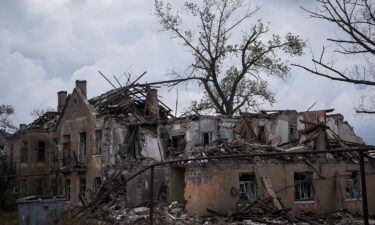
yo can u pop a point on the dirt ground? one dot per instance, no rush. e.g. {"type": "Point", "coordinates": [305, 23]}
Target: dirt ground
{"type": "Point", "coordinates": [9, 218]}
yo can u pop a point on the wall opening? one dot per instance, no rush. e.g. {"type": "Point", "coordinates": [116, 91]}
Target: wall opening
{"type": "Point", "coordinates": [206, 137]}
{"type": "Point", "coordinates": [353, 185]}
{"type": "Point", "coordinates": [98, 142]}
{"type": "Point", "coordinates": [82, 186]}
{"type": "Point", "coordinates": [249, 190]}
{"type": "Point", "coordinates": [66, 150]}
{"type": "Point", "coordinates": [82, 148]}
{"type": "Point", "coordinates": [24, 152]}
{"type": "Point", "coordinates": [178, 143]}
{"type": "Point", "coordinates": [177, 185]}
{"type": "Point", "coordinates": [303, 186]}
{"type": "Point", "coordinates": [41, 151]}
{"type": "Point", "coordinates": [97, 184]}
{"type": "Point", "coordinates": [67, 189]}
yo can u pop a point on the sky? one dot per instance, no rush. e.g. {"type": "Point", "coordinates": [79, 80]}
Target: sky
{"type": "Point", "coordinates": [46, 45]}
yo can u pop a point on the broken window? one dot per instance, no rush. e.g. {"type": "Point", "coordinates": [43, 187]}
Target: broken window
{"type": "Point", "coordinates": [97, 184]}
{"type": "Point", "coordinates": [98, 142]}
{"type": "Point", "coordinates": [249, 190]}
{"type": "Point", "coordinates": [40, 185]}
{"type": "Point", "coordinates": [24, 152]}
{"type": "Point", "coordinates": [82, 148]}
{"type": "Point", "coordinates": [206, 137]}
{"type": "Point", "coordinates": [67, 189]}
{"type": "Point", "coordinates": [66, 150]}
{"type": "Point", "coordinates": [353, 185]}
{"type": "Point", "coordinates": [23, 187]}
{"type": "Point", "coordinates": [178, 143]}
{"type": "Point", "coordinates": [303, 186]}
{"type": "Point", "coordinates": [82, 186]}
{"type": "Point", "coordinates": [41, 151]}
{"type": "Point", "coordinates": [131, 144]}
{"type": "Point", "coordinates": [262, 136]}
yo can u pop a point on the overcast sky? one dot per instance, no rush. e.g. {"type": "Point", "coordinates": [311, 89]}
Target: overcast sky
{"type": "Point", "coordinates": [46, 45]}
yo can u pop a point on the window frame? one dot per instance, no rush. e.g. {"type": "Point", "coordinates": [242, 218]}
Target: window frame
{"type": "Point", "coordinates": [82, 148]}
{"type": "Point", "coordinates": [98, 142]}
{"type": "Point", "coordinates": [67, 189]}
{"type": "Point", "coordinates": [82, 186]}
{"type": "Point", "coordinates": [304, 186]}
{"type": "Point", "coordinates": [41, 150]}
{"type": "Point", "coordinates": [24, 152]}
{"type": "Point", "coordinates": [210, 135]}
{"type": "Point", "coordinates": [357, 185]}
{"type": "Point", "coordinates": [250, 186]}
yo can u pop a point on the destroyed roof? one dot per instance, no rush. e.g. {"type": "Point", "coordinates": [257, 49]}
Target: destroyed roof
{"type": "Point", "coordinates": [45, 122]}
{"type": "Point", "coordinates": [125, 101]}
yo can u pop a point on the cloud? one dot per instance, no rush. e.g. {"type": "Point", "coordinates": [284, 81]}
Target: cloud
{"type": "Point", "coordinates": [46, 46]}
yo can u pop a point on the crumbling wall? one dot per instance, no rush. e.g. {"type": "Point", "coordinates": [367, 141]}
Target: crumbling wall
{"type": "Point", "coordinates": [216, 186]}
{"type": "Point", "coordinates": [152, 144]}
{"type": "Point", "coordinates": [138, 189]}
{"type": "Point", "coordinates": [342, 128]}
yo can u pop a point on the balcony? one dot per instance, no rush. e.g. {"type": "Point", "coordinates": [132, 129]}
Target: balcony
{"type": "Point", "coordinates": [70, 164]}
{"type": "Point", "coordinates": [7, 168]}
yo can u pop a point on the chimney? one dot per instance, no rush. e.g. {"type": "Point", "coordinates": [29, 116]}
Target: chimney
{"type": "Point", "coordinates": [152, 104]}
{"type": "Point", "coordinates": [22, 126]}
{"type": "Point", "coordinates": [81, 85]}
{"type": "Point", "coordinates": [61, 99]}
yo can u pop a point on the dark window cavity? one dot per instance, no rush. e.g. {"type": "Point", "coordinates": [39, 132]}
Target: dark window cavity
{"type": "Point", "coordinates": [303, 186]}
{"type": "Point", "coordinates": [353, 185]}
{"type": "Point", "coordinates": [82, 186]}
{"type": "Point", "coordinates": [82, 148]}
{"type": "Point", "coordinates": [206, 137]}
{"type": "Point", "coordinates": [66, 150]}
{"type": "Point", "coordinates": [41, 152]}
{"type": "Point", "coordinates": [97, 184]}
{"type": "Point", "coordinates": [98, 142]}
{"type": "Point", "coordinates": [67, 189]}
{"type": "Point", "coordinates": [249, 190]}
{"type": "Point", "coordinates": [24, 151]}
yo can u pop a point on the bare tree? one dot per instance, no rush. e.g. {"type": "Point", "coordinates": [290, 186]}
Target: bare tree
{"type": "Point", "coordinates": [39, 112]}
{"type": "Point", "coordinates": [5, 112]}
{"type": "Point", "coordinates": [230, 71]}
{"type": "Point", "coordinates": [356, 21]}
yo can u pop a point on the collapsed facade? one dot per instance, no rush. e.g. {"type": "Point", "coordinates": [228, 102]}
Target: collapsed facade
{"type": "Point", "coordinates": [102, 142]}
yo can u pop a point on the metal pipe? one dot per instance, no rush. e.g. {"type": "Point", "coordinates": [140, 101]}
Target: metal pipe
{"type": "Point", "coordinates": [152, 195]}
{"type": "Point", "coordinates": [364, 191]}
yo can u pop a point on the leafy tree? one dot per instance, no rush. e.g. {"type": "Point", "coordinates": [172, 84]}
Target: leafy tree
{"type": "Point", "coordinates": [231, 71]}
{"type": "Point", "coordinates": [355, 20]}
{"type": "Point", "coordinates": [5, 112]}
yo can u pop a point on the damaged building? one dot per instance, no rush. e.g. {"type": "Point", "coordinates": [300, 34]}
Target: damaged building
{"type": "Point", "coordinates": [99, 135]}
{"type": "Point", "coordinates": [320, 183]}
{"type": "Point", "coordinates": [31, 152]}
{"type": "Point", "coordinates": [99, 152]}
{"type": "Point", "coordinates": [317, 183]}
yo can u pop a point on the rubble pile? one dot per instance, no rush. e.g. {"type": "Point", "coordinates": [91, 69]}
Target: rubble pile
{"type": "Point", "coordinates": [259, 212]}
{"type": "Point", "coordinates": [233, 147]}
